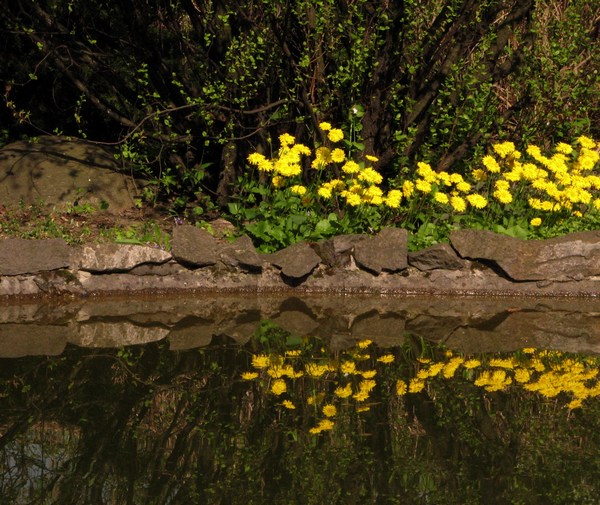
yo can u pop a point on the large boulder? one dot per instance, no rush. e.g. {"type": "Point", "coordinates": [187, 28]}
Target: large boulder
{"type": "Point", "coordinates": [58, 171]}
{"type": "Point", "coordinates": [571, 257]}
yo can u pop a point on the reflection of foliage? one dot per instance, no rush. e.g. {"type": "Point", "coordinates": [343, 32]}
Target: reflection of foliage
{"type": "Point", "coordinates": [145, 425]}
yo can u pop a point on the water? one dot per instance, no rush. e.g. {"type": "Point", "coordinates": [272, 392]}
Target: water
{"type": "Point", "coordinates": [285, 400]}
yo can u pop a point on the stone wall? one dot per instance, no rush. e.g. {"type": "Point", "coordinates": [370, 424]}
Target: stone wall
{"type": "Point", "coordinates": [474, 263]}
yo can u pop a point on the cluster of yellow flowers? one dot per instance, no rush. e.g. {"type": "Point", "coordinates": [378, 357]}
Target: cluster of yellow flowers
{"type": "Point", "coordinates": [568, 180]}
{"type": "Point", "coordinates": [548, 373]}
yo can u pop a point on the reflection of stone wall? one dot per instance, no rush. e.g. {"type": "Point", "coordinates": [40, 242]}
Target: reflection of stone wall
{"type": "Point", "coordinates": [469, 324]}
{"type": "Point", "coordinates": [474, 263]}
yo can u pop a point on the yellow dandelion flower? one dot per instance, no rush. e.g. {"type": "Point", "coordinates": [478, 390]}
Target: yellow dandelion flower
{"type": "Point", "coordinates": [536, 221]}
{"type": "Point", "coordinates": [335, 135]}
{"type": "Point", "coordinates": [393, 198]}
{"type": "Point", "coordinates": [278, 181]}
{"type": "Point", "coordinates": [463, 187]}
{"type": "Point", "coordinates": [286, 140]}
{"type": "Point", "coordinates": [369, 374]}
{"type": "Point", "coordinates": [574, 404]}
{"type": "Point", "coordinates": [329, 410]}
{"type": "Point", "coordinates": [423, 186]}
{"type": "Point", "coordinates": [503, 196]}
{"type": "Point", "coordinates": [491, 164]}
{"type": "Point", "coordinates": [458, 203]}
{"type": "Point", "coordinates": [408, 188]}
{"type": "Point", "coordinates": [586, 142]}
{"type": "Point", "coordinates": [504, 149]}
{"type": "Point", "coordinates": [351, 167]}
{"type": "Point", "coordinates": [477, 201]}
{"type": "Point", "coordinates": [386, 358]}
{"type": "Point", "coordinates": [298, 189]}
{"type": "Point", "coordinates": [401, 387]}
{"type": "Point", "coordinates": [278, 387]}
{"type": "Point", "coordinates": [370, 176]}
{"type": "Point", "coordinates": [248, 376]}
{"type": "Point", "coordinates": [441, 198]}
{"type": "Point", "coordinates": [338, 155]}
{"type": "Point", "coordinates": [325, 126]}
{"type": "Point", "coordinates": [363, 344]}
{"type": "Point", "coordinates": [324, 191]}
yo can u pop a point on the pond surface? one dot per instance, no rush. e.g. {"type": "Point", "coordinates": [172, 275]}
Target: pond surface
{"type": "Point", "coordinates": [300, 401]}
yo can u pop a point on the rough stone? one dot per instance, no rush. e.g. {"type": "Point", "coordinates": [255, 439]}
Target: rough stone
{"type": "Point", "coordinates": [439, 256]}
{"type": "Point", "coordinates": [22, 256]}
{"type": "Point", "coordinates": [296, 261]}
{"type": "Point", "coordinates": [119, 257]}
{"type": "Point", "coordinates": [241, 253]}
{"type": "Point", "coordinates": [571, 257]}
{"type": "Point", "coordinates": [57, 171]}
{"type": "Point", "coordinates": [116, 333]}
{"type": "Point", "coordinates": [386, 251]}
{"type": "Point", "coordinates": [337, 252]}
{"type": "Point", "coordinates": [194, 246]}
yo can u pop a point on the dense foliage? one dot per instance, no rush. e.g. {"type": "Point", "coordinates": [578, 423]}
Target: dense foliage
{"type": "Point", "coordinates": [186, 90]}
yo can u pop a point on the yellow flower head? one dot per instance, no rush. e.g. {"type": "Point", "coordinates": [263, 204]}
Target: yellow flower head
{"type": "Point", "coordinates": [441, 198]}
{"type": "Point", "coordinates": [298, 189]}
{"type": "Point", "coordinates": [536, 221]}
{"type": "Point", "coordinates": [477, 201]}
{"type": "Point", "coordinates": [335, 135]}
{"type": "Point", "coordinates": [338, 155]}
{"type": "Point", "coordinates": [491, 164]}
{"type": "Point", "coordinates": [458, 204]}
{"type": "Point", "coordinates": [351, 167]}
{"type": "Point", "coordinates": [504, 149]}
{"type": "Point", "coordinates": [373, 159]}
{"type": "Point", "coordinates": [370, 176]}
{"type": "Point", "coordinates": [286, 140]}
{"type": "Point", "coordinates": [386, 358]}
{"type": "Point", "coordinates": [325, 126]}
{"type": "Point", "coordinates": [248, 376]}
{"type": "Point", "coordinates": [393, 198]}
{"type": "Point", "coordinates": [260, 361]}
{"type": "Point", "coordinates": [343, 392]}
{"type": "Point", "coordinates": [401, 387]}
{"type": "Point", "coordinates": [288, 404]}
{"type": "Point", "coordinates": [408, 188]}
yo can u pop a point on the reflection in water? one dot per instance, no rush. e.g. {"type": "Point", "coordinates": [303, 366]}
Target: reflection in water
{"type": "Point", "coordinates": [288, 419]}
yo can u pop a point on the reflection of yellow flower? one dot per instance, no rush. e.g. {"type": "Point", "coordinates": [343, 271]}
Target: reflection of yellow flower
{"type": "Point", "coordinates": [374, 159]}
{"type": "Point", "coordinates": [369, 374]}
{"type": "Point", "coordinates": [324, 425]}
{"type": "Point", "coordinates": [278, 387]}
{"type": "Point", "coordinates": [348, 367]}
{"type": "Point", "coordinates": [386, 358]}
{"type": "Point", "coordinates": [260, 361]}
{"type": "Point", "coordinates": [401, 387]}
{"type": "Point", "coordinates": [416, 386]}
{"type": "Point", "coordinates": [363, 344]}
{"type": "Point", "coordinates": [329, 410]}
{"type": "Point", "coordinates": [248, 376]}
{"type": "Point", "coordinates": [288, 404]}
{"type": "Point", "coordinates": [343, 392]}
{"type": "Point", "coordinates": [472, 363]}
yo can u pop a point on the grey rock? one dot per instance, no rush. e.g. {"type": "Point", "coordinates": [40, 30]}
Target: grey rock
{"type": "Point", "coordinates": [18, 340]}
{"type": "Point", "coordinates": [119, 257]}
{"type": "Point", "coordinates": [241, 253]}
{"type": "Point", "coordinates": [194, 246]}
{"type": "Point", "coordinates": [296, 261]}
{"type": "Point", "coordinates": [22, 256]}
{"type": "Point", "coordinates": [58, 171]}
{"type": "Point", "coordinates": [386, 251]}
{"type": "Point", "coordinates": [439, 256]}
{"type": "Point", "coordinates": [571, 257]}
{"type": "Point", "coordinates": [115, 334]}
{"type": "Point", "coordinates": [337, 251]}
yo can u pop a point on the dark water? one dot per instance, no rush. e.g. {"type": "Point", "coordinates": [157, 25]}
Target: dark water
{"type": "Point", "coordinates": [292, 401]}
